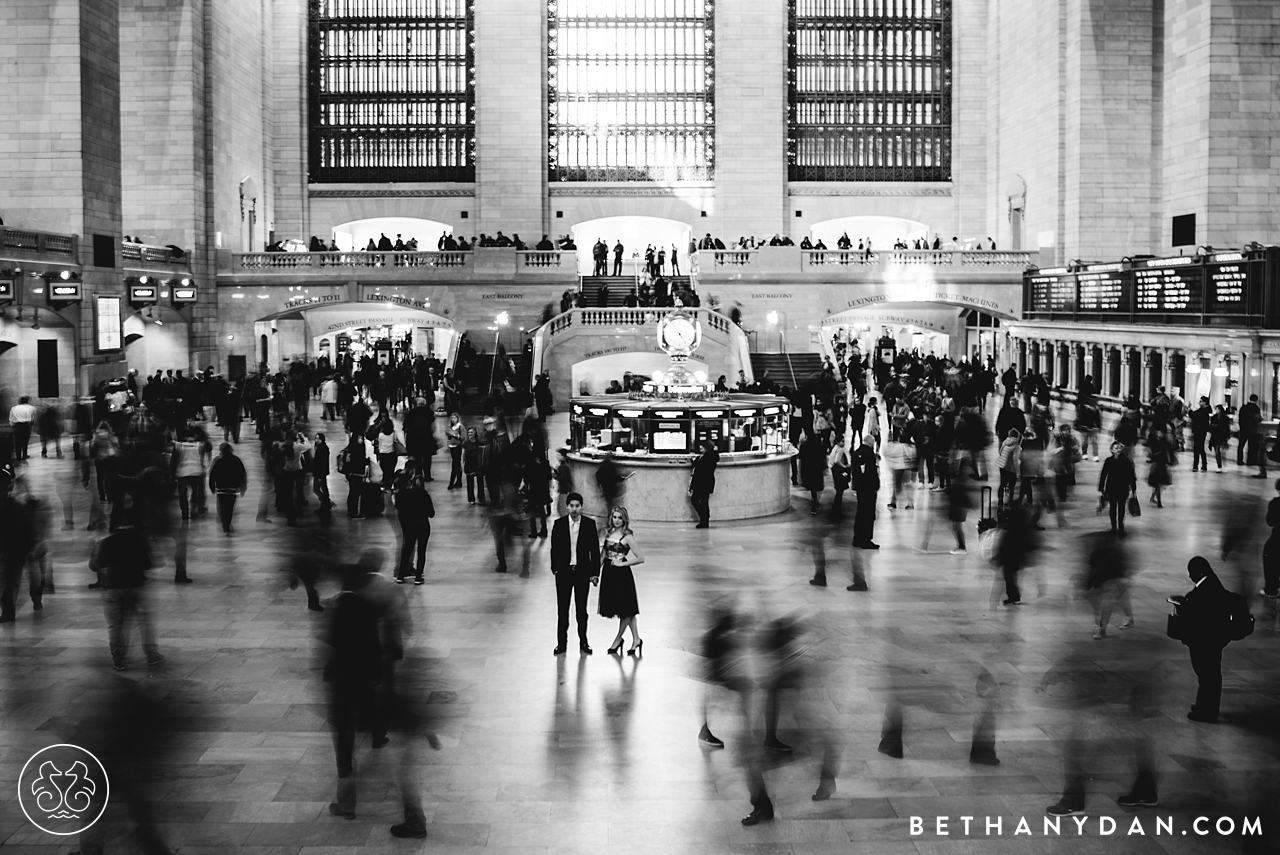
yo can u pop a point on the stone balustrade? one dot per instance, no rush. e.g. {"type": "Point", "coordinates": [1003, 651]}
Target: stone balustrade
{"type": "Point", "coordinates": [644, 316]}
{"type": "Point", "coordinates": [47, 244]}
{"type": "Point", "coordinates": [294, 261]}
{"type": "Point", "coordinates": [142, 253]}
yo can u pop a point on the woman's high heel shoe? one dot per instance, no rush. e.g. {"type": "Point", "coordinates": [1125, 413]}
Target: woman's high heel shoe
{"type": "Point", "coordinates": [616, 649]}
{"type": "Point", "coordinates": [636, 651]}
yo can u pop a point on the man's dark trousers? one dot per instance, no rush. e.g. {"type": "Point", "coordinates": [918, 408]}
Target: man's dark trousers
{"type": "Point", "coordinates": [864, 517]}
{"type": "Point", "coordinates": [1206, 661]}
{"type": "Point", "coordinates": [701, 506]}
{"type": "Point", "coordinates": [572, 582]}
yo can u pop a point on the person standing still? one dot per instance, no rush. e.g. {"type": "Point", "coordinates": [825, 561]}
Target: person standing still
{"type": "Point", "coordinates": [1205, 612]}
{"type": "Point", "coordinates": [227, 479]}
{"type": "Point", "coordinates": [575, 562]}
{"type": "Point", "coordinates": [21, 418]}
{"type": "Point", "coordinates": [1117, 482]}
{"type": "Point", "coordinates": [1200, 418]}
{"type": "Point", "coordinates": [866, 486]}
{"type": "Point", "coordinates": [703, 482]}
{"type": "Point", "coordinates": [1248, 452]}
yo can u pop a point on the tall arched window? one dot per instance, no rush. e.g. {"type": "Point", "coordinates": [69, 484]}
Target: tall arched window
{"type": "Point", "coordinates": [391, 90]}
{"type": "Point", "coordinates": [630, 91]}
{"type": "Point", "coordinates": [869, 90]}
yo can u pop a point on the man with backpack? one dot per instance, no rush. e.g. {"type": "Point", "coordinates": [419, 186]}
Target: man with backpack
{"type": "Point", "coordinates": [1208, 618]}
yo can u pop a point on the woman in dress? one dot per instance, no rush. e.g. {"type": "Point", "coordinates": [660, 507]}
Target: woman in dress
{"type": "Point", "coordinates": [617, 584]}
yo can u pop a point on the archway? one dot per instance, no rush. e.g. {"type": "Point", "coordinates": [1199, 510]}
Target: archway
{"type": "Point", "coordinates": [635, 233]}
{"type": "Point", "coordinates": [157, 339]}
{"type": "Point", "coordinates": [356, 234]}
{"type": "Point", "coordinates": [352, 328]}
{"type": "Point", "coordinates": [883, 231]}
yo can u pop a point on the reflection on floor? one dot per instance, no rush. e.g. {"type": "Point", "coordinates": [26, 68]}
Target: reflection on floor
{"type": "Point", "coordinates": [599, 754]}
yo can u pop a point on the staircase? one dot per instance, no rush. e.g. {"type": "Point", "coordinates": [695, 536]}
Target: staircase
{"type": "Point", "coordinates": [801, 366]}
{"type": "Point", "coordinates": [619, 287]}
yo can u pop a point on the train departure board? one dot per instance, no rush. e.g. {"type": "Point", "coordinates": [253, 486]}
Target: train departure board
{"type": "Point", "coordinates": [1163, 288]}
{"type": "Point", "coordinates": [1053, 291]}
{"type": "Point", "coordinates": [1215, 289]}
{"type": "Point", "coordinates": [1103, 289]}
{"type": "Point", "coordinates": [1227, 282]}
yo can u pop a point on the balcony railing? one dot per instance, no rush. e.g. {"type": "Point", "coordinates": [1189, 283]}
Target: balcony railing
{"type": "Point", "coordinates": [40, 243]}
{"type": "Point", "coordinates": [630, 318]}
{"type": "Point", "coordinates": [142, 253]}
{"type": "Point", "coordinates": [534, 260]}
{"type": "Point", "coordinates": [947, 258]}
{"type": "Point", "coordinates": [351, 260]}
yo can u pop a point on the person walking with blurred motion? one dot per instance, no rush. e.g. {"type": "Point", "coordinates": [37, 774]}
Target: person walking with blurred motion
{"type": "Point", "coordinates": [1162, 456]}
{"type": "Point", "coordinates": [455, 435]}
{"type": "Point", "coordinates": [871, 425]}
{"type": "Point", "coordinates": [320, 455]}
{"type": "Point", "coordinates": [471, 466]}
{"type": "Point", "coordinates": [1107, 582]}
{"type": "Point", "coordinates": [1271, 551]}
{"type": "Point", "coordinates": [1200, 418]}
{"type": "Point", "coordinates": [617, 580]}
{"type": "Point", "coordinates": [723, 655]}
{"type": "Point", "coordinates": [289, 457]}
{"type": "Point", "coordinates": [122, 560]}
{"type": "Point", "coordinates": [16, 541]}
{"type": "Point", "coordinates": [104, 451]}
{"type": "Point", "coordinates": [415, 510]}
{"type": "Point", "coordinates": [507, 512]}
{"type": "Point", "coordinates": [227, 479]}
{"type": "Point", "coordinates": [900, 457]}
{"type": "Point", "coordinates": [50, 424]}
{"type": "Point", "coordinates": [702, 483]}
{"type": "Point", "coordinates": [1116, 483]}
{"type": "Point", "coordinates": [1219, 433]}
{"type": "Point", "coordinates": [1063, 460]}
{"type": "Point", "coordinates": [575, 562]}
{"type": "Point", "coordinates": [1009, 462]}
{"type": "Point", "coordinates": [190, 464]}
{"type": "Point", "coordinates": [840, 464]}
{"type": "Point", "coordinates": [354, 464]}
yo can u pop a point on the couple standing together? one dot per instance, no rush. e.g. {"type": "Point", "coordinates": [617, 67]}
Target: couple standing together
{"type": "Point", "coordinates": [576, 563]}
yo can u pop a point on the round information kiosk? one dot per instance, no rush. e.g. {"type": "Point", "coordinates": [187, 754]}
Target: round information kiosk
{"type": "Point", "coordinates": [653, 436]}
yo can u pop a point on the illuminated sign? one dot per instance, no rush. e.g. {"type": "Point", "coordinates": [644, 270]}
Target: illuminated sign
{"type": "Point", "coordinates": [184, 294]}
{"type": "Point", "coordinates": [6, 290]}
{"type": "Point", "coordinates": [110, 335]}
{"type": "Point", "coordinates": [65, 292]}
{"type": "Point", "coordinates": [142, 293]}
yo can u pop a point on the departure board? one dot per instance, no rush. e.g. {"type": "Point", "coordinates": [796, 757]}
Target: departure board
{"type": "Point", "coordinates": [1165, 290]}
{"type": "Point", "coordinates": [1053, 292]}
{"type": "Point", "coordinates": [1227, 288]}
{"type": "Point", "coordinates": [1104, 290]}
{"type": "Point", "coordinates": [1227, 292]}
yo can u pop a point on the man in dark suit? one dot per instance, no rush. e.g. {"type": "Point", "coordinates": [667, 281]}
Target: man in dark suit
{"type": "Point", "coordinates": [703, 483]}
{"type": "Point", "coordinates": [1205, 613]}
{"type": "Point", "coordinates": [575, 562]}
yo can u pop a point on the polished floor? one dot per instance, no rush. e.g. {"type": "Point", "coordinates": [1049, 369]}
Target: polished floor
{"type": "Point", "coordinates": [597, 754]}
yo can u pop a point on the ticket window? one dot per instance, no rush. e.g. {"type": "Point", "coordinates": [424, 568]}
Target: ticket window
{"type": "Point", "coordinates": [714, 430]}
{"type": "Point", "coordinates": [630, 434]}
{"type": "Point", "coordinates": [670, 438]}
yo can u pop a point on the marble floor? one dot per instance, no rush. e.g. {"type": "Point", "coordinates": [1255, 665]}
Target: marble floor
{"type": "Point", "coordinates": [597, 754]}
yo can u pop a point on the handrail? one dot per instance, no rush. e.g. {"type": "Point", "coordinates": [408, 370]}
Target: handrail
{"type": "Point", "coordinates": [541, 258]}
{"type": "Point", "coordinates": [1010, 259]}
{"type": "Point", "coordinates": [40, 243]}
{"type": "Point", "coordinates": [358, 260]}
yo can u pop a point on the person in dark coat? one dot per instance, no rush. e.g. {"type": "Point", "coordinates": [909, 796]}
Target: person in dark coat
{"type": "Point", "coordinates": [703, 482]}
{"type": "Point", "coordinates": [1205, 611]}
{"type": "Point", "coordinates": [414, 509]}
{"type": "Point", "coordinates": [1249, 449]}
{"type": "Point", "coordinates": [575, 562]}
{"type": "Point", "coordinates": [865, 479]}
{"type": "Point", "coordinates": [1117, 482]}
{"type": "Point", "coordinates": [1200, 418]}
{"type": "Point", "coordinates": [813, 463]}
{"type": "Point", "coordinates": [420, 435]}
